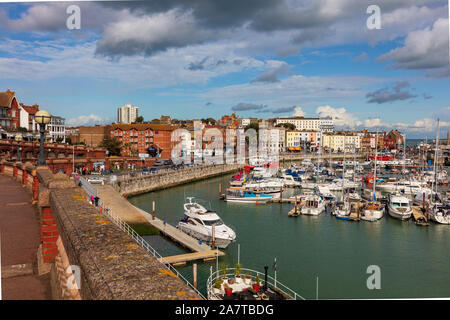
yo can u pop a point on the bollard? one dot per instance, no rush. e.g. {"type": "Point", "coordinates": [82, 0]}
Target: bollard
{"type": "Point", "coordinates": [153, 211]}
{"type": "Point", "coordinates": [194, 271]}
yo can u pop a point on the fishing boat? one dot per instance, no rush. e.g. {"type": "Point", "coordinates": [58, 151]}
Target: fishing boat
{"type": "Point", "coordinates": [399, 207]}
{"type": "Point", "coordinates": [244, 195]}
{"type": "Point", "coordinates": [204, 224]}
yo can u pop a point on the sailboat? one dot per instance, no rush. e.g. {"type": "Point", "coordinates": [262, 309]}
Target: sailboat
{"type": "Point", "coordinates": [439, 212]}
{"type": "Point", "coordinates": [373, 210]}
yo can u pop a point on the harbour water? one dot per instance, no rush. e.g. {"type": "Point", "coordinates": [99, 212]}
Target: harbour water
{"type": "Point", "coordinates": [414, 261]}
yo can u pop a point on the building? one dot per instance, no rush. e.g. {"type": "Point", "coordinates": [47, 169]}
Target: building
{"type": "Point", "coordinates": [9, 111]}
{"type": "Point", "coordinates": [57, 129]}
{"type": "Point", "coordinates": [137, 138]}
{"type": "Point", "coordinates": [127, 114]}
{"type": "Point", "coordinates": [91, 136]}
{"type": "Point", "coordinates": [343, 140]}
{"type": "Point", "coordinates": [27, 117]}
{"type": "Point", "coordinates": [309, 124]}
{"type": "Point", "coordinates": [326, 124]}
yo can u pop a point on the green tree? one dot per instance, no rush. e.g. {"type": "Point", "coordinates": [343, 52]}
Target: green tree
{"type": "Point", "coordinates": [113, 145]}
{"type": "Point", "coordinates": [289, 126]}
{"type": "Point", "coordinates": [139, 119]}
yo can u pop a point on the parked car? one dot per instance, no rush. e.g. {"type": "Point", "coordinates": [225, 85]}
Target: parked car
{"type": "Point", "coordinates": [96, 180]}
{"type": "Point", "coordinates": [168, 162]}
{"type": "Point", "coordinates": [158, 163]}
{"type": "Point", "coordinates": [153, 170]}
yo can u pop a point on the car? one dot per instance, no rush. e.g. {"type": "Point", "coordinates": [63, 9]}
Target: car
{"type": "Point", "coordinates": [96, 180]}
{"type": "Point", "coordinates": [153, 170]}
{"type": "Point", "coordinates": [168, 162]}
{"type": "Point", "coordinates": [158, 163]}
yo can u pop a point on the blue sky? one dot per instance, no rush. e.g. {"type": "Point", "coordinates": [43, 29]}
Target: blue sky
{"type": "Point", "coordinates": [262, 58]}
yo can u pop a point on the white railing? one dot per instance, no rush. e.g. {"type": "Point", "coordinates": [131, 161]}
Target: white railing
{"type": "Point", "coordinates": [288, 293]}
{"type": "Point", "coordinates": [144, 244]}
{"type": "Point", "coordinates": [136, 237]}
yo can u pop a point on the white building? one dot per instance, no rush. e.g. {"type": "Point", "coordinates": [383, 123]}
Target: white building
{"type": "Point", "coordinates": [309, 124]}
{"type": "Point", "coordinates": [338, 141]}
{"type": "Point", "coordinates": [127, 114]}
{"type": "Point", "coordinates": [57, 129]}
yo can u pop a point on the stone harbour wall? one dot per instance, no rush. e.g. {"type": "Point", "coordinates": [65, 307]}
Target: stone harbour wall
{"type": "Point", "coordinates": [153, 182]}
{"type": "Point", "coordinates": [86, 254]}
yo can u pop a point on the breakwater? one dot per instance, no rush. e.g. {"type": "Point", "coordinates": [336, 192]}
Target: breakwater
{"type": "Point", "coordinates": [129, 186]}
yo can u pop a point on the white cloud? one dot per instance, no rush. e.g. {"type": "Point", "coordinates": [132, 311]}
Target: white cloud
{"type": "Point", "coordinates": [340, 116]}
{"type": "Point", "coordinates": [422, 125]}
{"type": "Point", "coordinates": [423, 49]}
{"type": "Point", "coordinates": [89, 120]}
{"type": "Point", "coordinates": [299, 112]}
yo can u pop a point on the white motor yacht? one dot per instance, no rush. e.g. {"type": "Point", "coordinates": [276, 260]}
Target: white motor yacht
{"type": "Point", "coordinates": [201, 223]}
{"type": "Point", "coordinates": [399, 207]}
{"type": "Point", "coordinates": [313, 205]}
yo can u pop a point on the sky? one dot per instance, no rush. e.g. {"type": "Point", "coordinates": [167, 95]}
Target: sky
{"type": "Point", "coordinates": [258, 58]}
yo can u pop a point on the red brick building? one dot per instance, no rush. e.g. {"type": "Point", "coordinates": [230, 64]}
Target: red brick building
{"type": "Point", "coordinates": [9, 111]}
{"type": "Point", "coordinates": [138, 137]}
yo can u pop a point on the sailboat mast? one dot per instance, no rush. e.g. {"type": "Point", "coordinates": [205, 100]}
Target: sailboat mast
{"type": "Point", "coordinates": [375, 166]}
{"type": "Point", "coordinates": [436, 155]}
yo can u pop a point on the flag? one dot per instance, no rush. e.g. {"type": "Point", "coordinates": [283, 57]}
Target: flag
{"type": "Point", "coordinates": [275, 264]}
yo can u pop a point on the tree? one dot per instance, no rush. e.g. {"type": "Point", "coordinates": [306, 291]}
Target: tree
{"type": "Point", "coordinates": [289, 126]}
{"type": "Point", "coordinates": [113, 145]}
{"type": "Point", "coordinates": [139, 119]}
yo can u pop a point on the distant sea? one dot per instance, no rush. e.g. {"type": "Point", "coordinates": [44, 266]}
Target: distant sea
{"type": "Point", "coordinates": [415, 142]}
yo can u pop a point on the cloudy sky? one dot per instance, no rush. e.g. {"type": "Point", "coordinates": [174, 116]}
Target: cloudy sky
{"type": "Point", "coordinates": [259, 58]}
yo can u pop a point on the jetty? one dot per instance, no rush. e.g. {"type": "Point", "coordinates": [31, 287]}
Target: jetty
{"type": "Point", "coordinates": [419, 216]}
{"type": "Point", "coordinates": [355, 212]}
{"type": "Point", "coordinates": [120, 206]}
{"type": "Point", "coordinates": [183, 258]}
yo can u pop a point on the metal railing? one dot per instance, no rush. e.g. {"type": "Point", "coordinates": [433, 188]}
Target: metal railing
{"type": "Point", "coordinates": [288, 293]}
{"type": "Point", "coordinates": [135, 236]}
{"type": "Point", "coordinates": [144, 244]}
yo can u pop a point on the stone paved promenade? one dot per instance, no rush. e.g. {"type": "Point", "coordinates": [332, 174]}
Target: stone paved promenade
{"type": "Point", "coordinates": [19, 228]}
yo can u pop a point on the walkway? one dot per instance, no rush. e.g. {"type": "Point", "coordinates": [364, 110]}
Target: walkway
{"type": "Point", "coordinates": [19, 231]}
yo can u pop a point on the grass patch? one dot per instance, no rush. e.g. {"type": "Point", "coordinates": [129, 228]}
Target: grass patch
{"type": "Point", "coordinates": [145, 229]}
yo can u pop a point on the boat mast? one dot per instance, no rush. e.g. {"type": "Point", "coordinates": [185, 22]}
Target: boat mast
{"type": "Point", "coordinates": [404, 152]}
{"type": "Point", "coordinates": [435, 156]}
{"type": "Point", "coordinates": [375, 167]}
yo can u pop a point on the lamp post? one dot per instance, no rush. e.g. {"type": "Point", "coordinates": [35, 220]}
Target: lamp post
{"type": "Point", "coordinates": [18, 138]}
{"type": "Point", "coordinates": [42, 117]}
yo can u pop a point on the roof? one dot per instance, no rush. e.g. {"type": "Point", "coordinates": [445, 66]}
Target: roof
{"type": "Point", "coordinates": [6, 98]}
{"type": "Point", "coordinates": [31, 109]}
{"type": "Point", "coordinates": [145, 126]}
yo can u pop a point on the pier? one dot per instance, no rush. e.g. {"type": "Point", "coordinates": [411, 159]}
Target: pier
{"type": "Point", "coordinates": [181, 259]}
{"type": "Point", "coordinates": [132, 215]}
{"type": "Point", "coordinates": [419, 217]}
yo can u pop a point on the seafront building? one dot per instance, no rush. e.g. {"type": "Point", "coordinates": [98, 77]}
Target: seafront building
{"type": "Point", "coordinates": [310, 124]}
{"type": "Point", "coordinates": [137, 138]}
{"type": "Point", "coordinates": [342, 140]}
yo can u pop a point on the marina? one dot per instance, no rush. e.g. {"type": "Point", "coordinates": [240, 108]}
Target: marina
{"type": "Point", "coordinates": [311, 242]}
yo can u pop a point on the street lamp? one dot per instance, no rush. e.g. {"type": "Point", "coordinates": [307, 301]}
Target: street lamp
{"type": "Point", "coordinates": [18, 138]}
{"type": "Point", "coordinates": [42, 117]}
